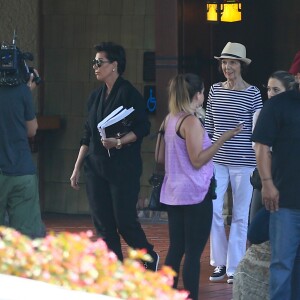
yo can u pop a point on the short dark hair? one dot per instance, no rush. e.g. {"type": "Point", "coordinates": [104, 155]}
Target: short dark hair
{"type": "Point", "coordinates": [244, 67]}
{"type": "Point", "coordinates": [114, 52]}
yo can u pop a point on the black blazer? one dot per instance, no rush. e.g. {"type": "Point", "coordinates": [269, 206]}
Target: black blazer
{"type": "Point", "coordinates": [125, 94]}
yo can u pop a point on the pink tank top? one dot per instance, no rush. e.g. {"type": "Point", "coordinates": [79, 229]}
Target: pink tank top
{"type": "Point", "coordinates": [183, 184]}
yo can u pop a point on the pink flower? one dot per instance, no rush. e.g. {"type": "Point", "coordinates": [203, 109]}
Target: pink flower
{"type": "Point", "coordinates": [73, 260]}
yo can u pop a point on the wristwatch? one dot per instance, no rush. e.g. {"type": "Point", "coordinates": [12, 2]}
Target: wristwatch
{"type": "Point", "coordinates": [119, 144]}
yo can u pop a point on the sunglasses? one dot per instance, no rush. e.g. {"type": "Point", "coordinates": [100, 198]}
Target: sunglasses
{"type": "Point", "coordinates": [99, 62]}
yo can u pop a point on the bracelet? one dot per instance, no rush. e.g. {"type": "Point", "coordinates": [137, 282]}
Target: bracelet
{"type": "Point", "coordinates": [265, 179]}
{"type": "Point", "coordinates": [119, 144]}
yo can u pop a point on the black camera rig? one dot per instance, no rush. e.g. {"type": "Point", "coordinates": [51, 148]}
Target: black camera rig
{"type": "Point", "coordinates": [13, 67]}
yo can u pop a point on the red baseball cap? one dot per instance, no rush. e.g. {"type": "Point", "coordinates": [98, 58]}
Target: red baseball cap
{"type": "Point", "coordinates": [295, 67]}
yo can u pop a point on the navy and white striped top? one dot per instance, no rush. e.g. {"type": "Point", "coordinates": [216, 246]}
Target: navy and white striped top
{"type": "Point", "coordinates": [225, 109]}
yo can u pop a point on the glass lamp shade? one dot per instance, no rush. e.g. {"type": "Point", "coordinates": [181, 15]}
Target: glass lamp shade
{"type": "Point", "coordinates": [212, 12]}
{"type": "Point", "coordinates": [232, 12]}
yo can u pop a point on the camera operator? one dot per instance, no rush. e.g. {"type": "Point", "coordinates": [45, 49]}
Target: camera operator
{"type": "Point", "coordinates": [19, 194]}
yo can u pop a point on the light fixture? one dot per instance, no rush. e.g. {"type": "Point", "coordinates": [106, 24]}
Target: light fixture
{"type": "Point", "coordinates": [212, 12]}
{"type": "Point", "coordinates": [224, 10]}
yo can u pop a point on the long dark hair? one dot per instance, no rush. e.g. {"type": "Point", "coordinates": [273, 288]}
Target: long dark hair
{"type": "Point", "coordinates": [288, 80]}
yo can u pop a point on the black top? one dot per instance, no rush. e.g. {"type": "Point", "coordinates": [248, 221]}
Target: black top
{"type": "Point", "coordinates": [278, 126]}
{"type": "Point", "coordinates": [127, 160]}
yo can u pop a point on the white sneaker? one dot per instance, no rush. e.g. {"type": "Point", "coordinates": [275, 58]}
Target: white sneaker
{"type": "Point", "coordinates": [230, 279]}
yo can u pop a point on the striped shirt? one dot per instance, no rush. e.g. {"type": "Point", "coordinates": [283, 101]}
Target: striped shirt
{"type": "Point", "coordinates": [225, 109]}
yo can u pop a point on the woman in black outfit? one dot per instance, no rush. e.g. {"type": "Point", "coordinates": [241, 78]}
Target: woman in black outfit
{"type": "Point", "coordinates": [113, 177]}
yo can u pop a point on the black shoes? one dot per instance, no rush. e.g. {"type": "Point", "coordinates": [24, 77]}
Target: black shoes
{"type": "Point", "coordinates": [218, 274]}
{"type": "Point", "coordinates": [154, 264]}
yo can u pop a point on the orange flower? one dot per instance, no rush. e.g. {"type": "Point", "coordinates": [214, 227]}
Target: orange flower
{"type": "Point", "coordinates": [74, 261]}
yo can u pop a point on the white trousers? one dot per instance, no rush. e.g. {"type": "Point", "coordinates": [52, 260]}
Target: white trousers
{"type": "Point", "coordinates": [230, 252]}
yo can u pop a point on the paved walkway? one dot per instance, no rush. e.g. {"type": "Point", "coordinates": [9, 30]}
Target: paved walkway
{"type": "Point", "coordinates": [157, 233]}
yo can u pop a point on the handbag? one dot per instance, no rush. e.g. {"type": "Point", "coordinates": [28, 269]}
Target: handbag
{"type": "Point", "coordinates": [255, 180]}
{"type": "Point", "coordinates": [212, 188]}
{"type": "Point", "coordinates": [156, 181]}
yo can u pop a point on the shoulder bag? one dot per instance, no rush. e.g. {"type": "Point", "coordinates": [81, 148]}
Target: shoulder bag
{"type": "Point", "coordinates": [156, 181]}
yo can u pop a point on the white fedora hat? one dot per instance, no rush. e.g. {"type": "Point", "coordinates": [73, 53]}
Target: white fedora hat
{"type": "Point", "coordinates": [234, 51]}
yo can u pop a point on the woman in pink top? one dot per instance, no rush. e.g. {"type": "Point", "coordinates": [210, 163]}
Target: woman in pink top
{"type": "Point", "coordinates": [186, 151]}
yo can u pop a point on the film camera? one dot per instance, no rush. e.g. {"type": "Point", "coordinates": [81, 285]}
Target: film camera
{"type": "Point", "coordinates": [13, 67]}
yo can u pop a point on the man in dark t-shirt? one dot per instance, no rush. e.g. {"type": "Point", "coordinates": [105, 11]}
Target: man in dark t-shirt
{"type": "Point", "coordinates": [278, 126]}
{"type": "Point", "coordinates": [18, 181]}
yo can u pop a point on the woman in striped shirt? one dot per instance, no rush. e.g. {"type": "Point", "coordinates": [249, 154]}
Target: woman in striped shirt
{"type": "Point", "coordinates": [231, 102]}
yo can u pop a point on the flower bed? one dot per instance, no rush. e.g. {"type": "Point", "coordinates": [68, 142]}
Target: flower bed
{"type": "Point", "coordinates": [73, 261]}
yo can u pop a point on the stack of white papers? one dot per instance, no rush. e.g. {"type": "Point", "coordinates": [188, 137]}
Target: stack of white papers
{"type": "Point", "coordinates": [114, 117]}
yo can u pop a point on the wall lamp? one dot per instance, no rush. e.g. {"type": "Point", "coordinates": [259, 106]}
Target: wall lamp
{"type": "Point", "coordinates": [223, 11]}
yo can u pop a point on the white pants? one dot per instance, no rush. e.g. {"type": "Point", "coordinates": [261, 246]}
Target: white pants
{"type": "Point", "coordinates": [223, 252]}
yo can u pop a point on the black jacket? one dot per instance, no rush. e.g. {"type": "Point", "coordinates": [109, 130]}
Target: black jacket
{"type": "Point", "coordinates": [125, 94]}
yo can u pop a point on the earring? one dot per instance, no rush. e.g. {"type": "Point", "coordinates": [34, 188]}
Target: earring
{"type": "Point", "coordinates": [113, 69]}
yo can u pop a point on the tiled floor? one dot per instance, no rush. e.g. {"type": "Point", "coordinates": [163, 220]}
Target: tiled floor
{"type": "Point", "coordinates": [157, 233]}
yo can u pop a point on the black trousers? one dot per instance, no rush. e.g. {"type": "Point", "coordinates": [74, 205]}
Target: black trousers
{"type": "Point", "coordinates": [189, 229]}
{"type": "Point", "coordinates": [256, 204]}
{"type": "Point", "coordinates": [113, 206]}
